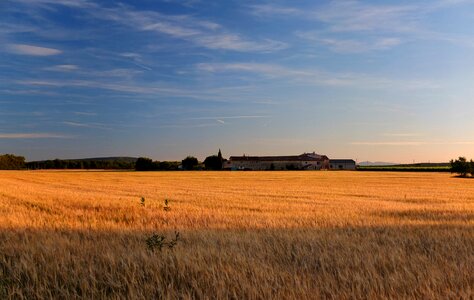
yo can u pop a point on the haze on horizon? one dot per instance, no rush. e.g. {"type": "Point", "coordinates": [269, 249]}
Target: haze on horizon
{"type": "Point", "coordinates": [165, 79]}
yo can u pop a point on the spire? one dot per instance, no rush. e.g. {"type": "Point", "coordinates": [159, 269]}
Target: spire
{"type": "Point", "coordinates": [219, 155]}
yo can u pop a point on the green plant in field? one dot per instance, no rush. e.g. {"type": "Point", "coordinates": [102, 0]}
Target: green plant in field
{"type": "Point", "coordinates": [158, 241]}
{"type": "Point", "coordinates": [166, 207]}
{"type": "Point", "coordinates": [142, 201]}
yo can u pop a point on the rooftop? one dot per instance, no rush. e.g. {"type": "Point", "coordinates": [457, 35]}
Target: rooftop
{"type": "Point", "coordinates": [303, 157]}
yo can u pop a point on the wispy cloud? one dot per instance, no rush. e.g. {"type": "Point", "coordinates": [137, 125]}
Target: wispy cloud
{"type": "Point", "coordinates": [411, 143]}
{"type": "Point", "coordinates": [343, 45]}
{"type": "Point", "coordinates": [401, 134]}
{"type": "Point", "coordinates": [315, 77]}
{"type": "Point", "coordinates": [85, 113]}
{"type": "Point", "coordinates": [373, 27]}
{"type": "Point", "coordinates": [351, 16]}
{"type": "Point", "coordinates": [272, 10]}
{"type": "Point", "coordinates": [86, 125]}
{"type": "Point", "coordinates": [24, 49]}
{"type": "Point", "coordinates": [62, 68]}
{"type": "Point", "coordinates": [391, 143]}
{"type": "Point", "coordinates": [33, 136]}
{"type": "Point", "coordinates": [232, 117]}
{"type": "Point", "coordinates": [202, 33]}
{"type": "Point", "coordinates": [220, 94]}
{"type": "Point", "coordinates": [348, 16]}
{"type": "Point", "coordinates": [199, 32]}
{"type": "Point", "coordinates": [68, 3]}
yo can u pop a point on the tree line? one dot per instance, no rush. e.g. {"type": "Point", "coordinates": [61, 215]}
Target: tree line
{"type": "Point", "coordinates": [462, 167]}
{"type": "Point", "coordinates": [213, 162]}
{"type": "Point", "coordinates": [80, 164]}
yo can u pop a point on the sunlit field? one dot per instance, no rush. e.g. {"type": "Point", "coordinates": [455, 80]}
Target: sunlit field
{"type": "Point", "coordinates": [71, 234]}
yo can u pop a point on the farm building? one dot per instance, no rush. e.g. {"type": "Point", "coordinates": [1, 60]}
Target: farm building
{"type": "Point", "coordinates": [305, 161]}
{"type": "Point", "coordinates": [342, 164]}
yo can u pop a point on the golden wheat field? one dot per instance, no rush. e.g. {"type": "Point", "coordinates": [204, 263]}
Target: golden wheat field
{"type": "Point", "coordinates": [243, 235]}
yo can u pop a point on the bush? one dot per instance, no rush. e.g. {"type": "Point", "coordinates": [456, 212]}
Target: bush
{"type": "Point", "coordinates": [144, 164]}
{"type": "Point", "coordinates": [213, 162]}
{"type": "Point", "coordinates": [189, 163]}
{"type": "Point", "coordinates": [461, 166]}
{"type": "Point", "coordinates": [12, 162]}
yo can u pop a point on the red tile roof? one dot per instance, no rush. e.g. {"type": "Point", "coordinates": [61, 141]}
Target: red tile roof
{"type": "Point", "coordinates": [302, 157]}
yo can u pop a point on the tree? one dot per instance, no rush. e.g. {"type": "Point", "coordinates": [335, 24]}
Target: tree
{"type": "Point", "coordinates": [144, 164]}
{"type": "Point", "coordinates": [189, 163]}
{"type": "Point", "coordinates": [461, 166]}
{"type": "Point", "coordinates": [12, 162]}
{"type": "Point", "coordinates": [213, 162]}
{"type": "Point", "coordinates": [472, 168]}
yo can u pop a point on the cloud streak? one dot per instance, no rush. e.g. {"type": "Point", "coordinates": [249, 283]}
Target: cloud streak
{"type": "Point", "coordinates": [33, 136]}
{"type": "Point", "coordinates": [231, 117]}
{"type": "Point", "coordinates": [411, 143]}
{"type": "Point", "coordinates": [202, 33]}
{"type": "Point", "coordinates": [188, 28]}
{"type": "Point", "coordinates": [62, 68]}
{"type": "Point", "coordinates": [314, 77]}
{"type": "Point", "coordinates": [373, 27]}
{"type": "Point", "coordinates": [350, 45]}
{"type": "Point", "coordinates": [23, 49]}
{"type": "Point", "coordinates": [86, 125]}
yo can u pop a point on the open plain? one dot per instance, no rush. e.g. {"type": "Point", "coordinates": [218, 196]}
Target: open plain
{"type": "Point", "coordinates": [254, 235]}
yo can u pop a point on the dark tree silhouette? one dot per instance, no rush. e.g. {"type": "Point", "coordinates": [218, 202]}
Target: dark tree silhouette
{"type": "Point", "coordinates": [189, 163]}
{"type": "Point", "coordinates": [144, 164]}
{"type": "Point", "coordinates": [461, 166]}
{"type": "Point", "coordinates": [213, 162]}
{"type": "Point", "coordinates": [12, 162]}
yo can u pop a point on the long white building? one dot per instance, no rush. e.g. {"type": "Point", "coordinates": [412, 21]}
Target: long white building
{"type": "Point", "coordinates": [305, 161]}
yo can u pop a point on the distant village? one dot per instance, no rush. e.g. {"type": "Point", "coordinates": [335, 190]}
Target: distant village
{"type": "Point", "coordinates": [305, 161]}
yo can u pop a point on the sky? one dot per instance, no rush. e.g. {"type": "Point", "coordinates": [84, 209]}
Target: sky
{"type": "Point", "coordinates": [369, 80]}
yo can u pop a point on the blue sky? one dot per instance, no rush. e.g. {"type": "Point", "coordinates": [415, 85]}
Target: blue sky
{"type": "Point", "coordinates": [379, 81]}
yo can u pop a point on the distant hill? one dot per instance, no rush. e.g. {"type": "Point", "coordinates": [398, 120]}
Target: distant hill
{"type": "Point", "coordinates": [114, 162]}
{"type": "Point", "coordinates": [418, 167]}
{"type": "Point", "coordinates": [111, 158]}
{"type": "Point", "coordinates": [376, 163]}
{"type": "Point", "coordinates": [424, 165]}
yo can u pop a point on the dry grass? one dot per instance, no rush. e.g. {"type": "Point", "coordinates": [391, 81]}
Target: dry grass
{"type": "Point", "coordinates": [244, 235]}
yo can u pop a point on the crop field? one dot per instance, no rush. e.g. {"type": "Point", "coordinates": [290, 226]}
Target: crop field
{"type": "Point", "coordinates": [243, 235]}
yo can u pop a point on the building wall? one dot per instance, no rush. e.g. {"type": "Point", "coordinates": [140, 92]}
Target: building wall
{"type": "Point", "coordinates": [277, 165]}
{"type": "Point", "coordinates": [342, 165]}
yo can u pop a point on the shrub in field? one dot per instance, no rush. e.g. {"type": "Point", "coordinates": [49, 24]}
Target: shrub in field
{"type": "Point", "coordinates": [158, 241]}
{"type": "Point", "coordinates": [461, 166]}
